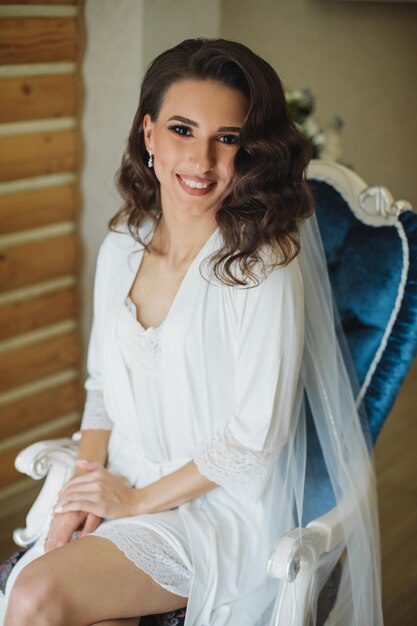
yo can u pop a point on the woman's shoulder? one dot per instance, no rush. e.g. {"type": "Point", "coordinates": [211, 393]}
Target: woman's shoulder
{"type": "Point", "coordinates": [280, 289]}
{"type": "Point", "coordinates": [267, 275]}
{"type": "Point", "coordinates": [120, 239]}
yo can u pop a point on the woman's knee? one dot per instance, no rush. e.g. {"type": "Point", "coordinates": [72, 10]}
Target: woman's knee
{"type": "Point", "coordinates": [36, 598]}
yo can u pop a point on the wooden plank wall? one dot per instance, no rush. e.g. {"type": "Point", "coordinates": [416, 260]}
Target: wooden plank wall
{"type": "Point", "coordinates": [41, 395]}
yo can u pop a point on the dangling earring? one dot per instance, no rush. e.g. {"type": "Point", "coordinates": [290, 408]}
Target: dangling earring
{"type": "Point", "coordinates": [150, 160]}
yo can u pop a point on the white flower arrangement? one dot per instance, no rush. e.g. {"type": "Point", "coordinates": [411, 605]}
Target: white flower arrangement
{"type": "Point", "coordinates": [326, 142]}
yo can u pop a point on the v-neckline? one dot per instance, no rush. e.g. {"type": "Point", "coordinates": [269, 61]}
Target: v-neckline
{"type": "Point", "coordinates": [148, 238]}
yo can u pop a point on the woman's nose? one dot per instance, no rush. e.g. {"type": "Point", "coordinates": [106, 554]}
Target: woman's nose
{"type": "Point", "coordinates": [203, 156]}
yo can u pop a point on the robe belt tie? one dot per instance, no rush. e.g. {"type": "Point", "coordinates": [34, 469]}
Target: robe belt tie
{"type": "Point", "coordinates": [147, 470]}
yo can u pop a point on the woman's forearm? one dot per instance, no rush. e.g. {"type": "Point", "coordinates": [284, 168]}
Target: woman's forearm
{"type": "Point", "coordinates": [93, 447]}
{"type": "Point", "coordinates": [172, 490]}
{"type": "Point", "coordinates": [109, 496]}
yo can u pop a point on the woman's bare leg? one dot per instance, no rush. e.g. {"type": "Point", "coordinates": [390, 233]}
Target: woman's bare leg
{"type": "Point", "coordinates": [83, 583]}
{"type": "Point", "coordinates": [119, 622]}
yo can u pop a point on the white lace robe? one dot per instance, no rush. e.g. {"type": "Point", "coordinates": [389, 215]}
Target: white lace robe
{"type": "Point", "coordinates": [215, 383]}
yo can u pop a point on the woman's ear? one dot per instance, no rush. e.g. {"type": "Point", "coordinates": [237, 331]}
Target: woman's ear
{"type": "Point", "coordinates": [147, 132]}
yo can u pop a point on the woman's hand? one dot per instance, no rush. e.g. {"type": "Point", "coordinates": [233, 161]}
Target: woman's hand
{"type": "Point", "coordinates": [97, 492]}
{"type": "Point", "coordinates": [63, 526]}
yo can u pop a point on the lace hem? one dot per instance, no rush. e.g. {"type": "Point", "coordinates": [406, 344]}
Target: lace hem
{"type": "Point", "coordinates": [240, 470]}
{"type": "Point", "coordinates": [151, 553]}
{"type": "Point", "coordinates": [95, 414]}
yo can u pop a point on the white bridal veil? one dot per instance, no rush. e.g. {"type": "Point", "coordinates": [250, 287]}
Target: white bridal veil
{"type": "Point", "coordinates": [327, 386]}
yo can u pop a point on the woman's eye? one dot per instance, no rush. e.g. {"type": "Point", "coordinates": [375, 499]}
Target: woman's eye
{"type": "Point", "coordinates": [179, 129]}
{"type": "Point", "coordinates": [229, 139]}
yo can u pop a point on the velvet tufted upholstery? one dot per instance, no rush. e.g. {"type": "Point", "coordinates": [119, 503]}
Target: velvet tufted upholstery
{"type": "Point", "coordinates": [373, 272]}
{"type": "Point", "coordinates": [365, 266]}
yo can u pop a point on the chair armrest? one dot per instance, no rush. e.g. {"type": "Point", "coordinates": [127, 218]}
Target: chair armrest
{"type": "Point", "coordinates": [330, 529]}
{"type": "Point", "coordinates": [320, 536]}
{"type": "Point", "coordinates": [297, 556]}
{"type": "Point", "coordinates": [295, 560]}
{"type": "Point", "coordinates": [54, 459]}
{"type": "Point", "coordinates": [295, 547]}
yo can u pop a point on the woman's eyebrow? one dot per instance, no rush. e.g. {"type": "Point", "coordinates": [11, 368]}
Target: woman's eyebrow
{"type": "Point", "coordinates": [186, 120]}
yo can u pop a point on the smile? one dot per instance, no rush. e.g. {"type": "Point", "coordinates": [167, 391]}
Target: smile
{"type": "Point", "coordinates": [195, 186]}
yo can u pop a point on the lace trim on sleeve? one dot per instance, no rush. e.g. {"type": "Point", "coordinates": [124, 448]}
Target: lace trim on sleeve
{"type": "Point", "coordinates": [95, 414]}
{"type": "Point", "coordinates": [240, 470]}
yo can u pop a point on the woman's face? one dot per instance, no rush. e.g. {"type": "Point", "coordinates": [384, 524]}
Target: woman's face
{"type": "Point", "coordinates": [194, 141]}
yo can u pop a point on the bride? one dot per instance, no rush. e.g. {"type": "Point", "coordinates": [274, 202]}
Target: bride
{"type": "Point", "coordinates": [189, 462]}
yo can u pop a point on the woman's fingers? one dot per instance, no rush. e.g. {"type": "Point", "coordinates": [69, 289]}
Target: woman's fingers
{"type": "Point", "coordinates": [89, 477]}
{"type": "Point", "coordinates": [98, 492]}
{"type": "Point", "coordinates": [94, 490]}
{"type": "Point", "coordinates": [77, 496]}
{"type": "Point", "coordinates": [61, 529]}
{"type": "Point", "coordinates": [80, 490]}
{"type": "Point", "coordinates": [77, 493]}
{"type": "Point", "coordinates": [64, 525]}
{"type": "Point", "coordinates": [94, 487]}
{"type": "Point", "coordinates": [87, 506]}
{"type": "Point", "coordinates": [91, 523]}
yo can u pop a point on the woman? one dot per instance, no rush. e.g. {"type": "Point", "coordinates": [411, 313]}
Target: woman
{"type": "Point", "coordinates": [186, 479]}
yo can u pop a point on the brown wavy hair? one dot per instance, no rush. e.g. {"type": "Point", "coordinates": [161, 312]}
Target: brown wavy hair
{"type": "Point", "coordinates": [269, 196]}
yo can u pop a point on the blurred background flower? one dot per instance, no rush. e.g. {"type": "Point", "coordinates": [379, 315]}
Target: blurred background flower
{"type": "Point", "coordinates": [326, 142]}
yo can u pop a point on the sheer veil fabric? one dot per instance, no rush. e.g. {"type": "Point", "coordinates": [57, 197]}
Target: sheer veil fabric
{"type": "Point", "coordinates": [327, 383]}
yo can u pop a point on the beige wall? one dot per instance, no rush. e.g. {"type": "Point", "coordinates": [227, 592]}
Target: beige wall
{"type": "Point", "coordinates": [169, 22]}
{"type": "Point", "coordinates": [121, 39]}
{"type": "Point", "coordinates": [359, 59]}
{"type": "Point", "coordinates": [112, 71]}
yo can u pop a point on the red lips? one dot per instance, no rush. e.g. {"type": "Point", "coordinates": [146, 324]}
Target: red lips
{"type": "Point", "coordinates": [194, 191]}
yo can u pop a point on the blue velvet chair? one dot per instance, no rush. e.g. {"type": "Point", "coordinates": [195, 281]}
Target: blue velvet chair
{"type": "Point", "coordinates": [370, 244]}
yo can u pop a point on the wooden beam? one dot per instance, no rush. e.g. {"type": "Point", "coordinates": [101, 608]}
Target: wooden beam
{"type": "Point", "coordinates": [39, 207]}
{"type": "Point", "coordinates": [40, 408]}
{"type": "Point", "coordinates": [38, 39]}
{"type": "Point", "coordinates": [39, 261]}
{"type": "Point", "coordinates": [26, 315]}
{"type": "Point", "coordinates": [39, 359]}
{"type": "Point", "coordinates": [39, 97]}
{"type": "Point", "coordinates": [38, 154]}
{"type": "Point", "coordinates": [6, 2]}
